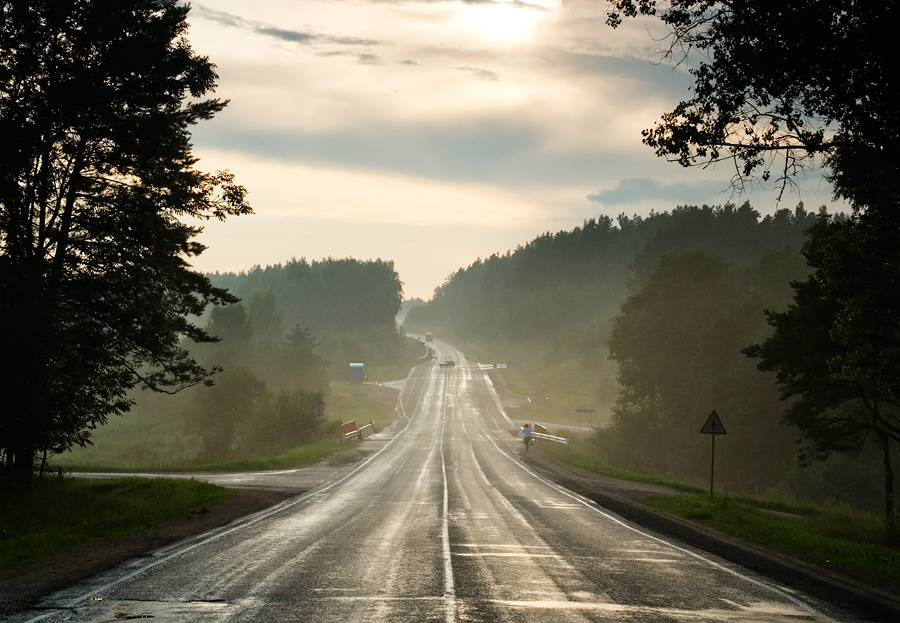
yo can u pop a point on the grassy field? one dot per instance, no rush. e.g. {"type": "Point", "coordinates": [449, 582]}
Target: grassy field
{"type": "Point", "coordinates": [414, 354]}
{"type": "Point", "coordinates": [60, 513]}
{"type": "Point", "coordinates": [152, 440]}
{"type": "Point", "coordinates": [553, 403]}
{"type": "Point", "coordinates": [833, 537]}
{"type": "Point", "coordinates": [837, 538]}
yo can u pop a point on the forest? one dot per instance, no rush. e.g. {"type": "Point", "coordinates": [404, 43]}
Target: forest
{"type": "Point", "coordinates": [294, 330]}
{"type": "Point", "coordinates": [661, 308]}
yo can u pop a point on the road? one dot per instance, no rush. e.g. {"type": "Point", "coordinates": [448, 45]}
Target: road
{"type": "Point", "coordinates": [442, 523]}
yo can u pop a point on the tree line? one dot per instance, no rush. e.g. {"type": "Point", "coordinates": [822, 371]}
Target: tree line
{"type": "Point", "coordinates": [279, 347]}
{"type": "Point", "coordinates": [572, 282]}
{"type": "Point", "coordinates": [678, 301]}
{"type": "Point", "coordinates": [780, 89]}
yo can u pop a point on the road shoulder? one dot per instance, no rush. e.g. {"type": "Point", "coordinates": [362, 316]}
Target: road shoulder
{"type": "Point", "coordinates": [624, 498]}
{"type": "Point", "coordinates": [23, 586]}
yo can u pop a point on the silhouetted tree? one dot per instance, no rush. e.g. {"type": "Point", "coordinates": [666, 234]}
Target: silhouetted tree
{"type": "Point", "coordinates": [96, 100]}
{"type": "Point", "coordinates": [807, 80]}
{"type": "Point", "coordinates": [836, 350]}
{"type": "Point", "coordinates": [677, 341]}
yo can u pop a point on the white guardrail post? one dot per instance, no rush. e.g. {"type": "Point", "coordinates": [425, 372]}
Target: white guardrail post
{"type": "Point", "coordinates": [349, 431]}
{"type": "Point", "coordinates": [535, 435]}
{"type": "Point", "coordinates": [367, 430]}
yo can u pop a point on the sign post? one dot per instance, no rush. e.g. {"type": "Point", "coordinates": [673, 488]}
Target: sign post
{"type": "Point", "coordinates": [591, 417]}
{"type": "Point", "coordinates": [713, 427]}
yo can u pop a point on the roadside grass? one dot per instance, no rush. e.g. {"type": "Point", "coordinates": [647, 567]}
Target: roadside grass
{"type": "Point", "coordinates": [58, 514]}
{"type": "Point", "coordinates": [580, 454]}
{"type": "Point", "coordinates": [838, 538]}
{"type": "Point", "coordinates": [306, 454]}
{"type": "Point", "coordinates": [61, 513]}
{"type": "Point", "coordinates": [412, 355]}
{"type": "Point", "coordinates": [138, 442]}
{"type": "Point", "coordinates": [555, 394]}
{"type": "Point", "coordinates": [843, 539]}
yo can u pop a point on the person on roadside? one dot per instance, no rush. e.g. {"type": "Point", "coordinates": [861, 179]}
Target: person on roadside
{"type": "Point", "coordinates": [526, 435]}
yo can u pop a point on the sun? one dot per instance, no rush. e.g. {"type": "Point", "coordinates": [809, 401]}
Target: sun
{"type": "Point", "coordinates": [500, 21]}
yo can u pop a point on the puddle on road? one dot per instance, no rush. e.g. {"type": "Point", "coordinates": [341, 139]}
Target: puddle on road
{"type": "Point", "coordinates": [110, 611]}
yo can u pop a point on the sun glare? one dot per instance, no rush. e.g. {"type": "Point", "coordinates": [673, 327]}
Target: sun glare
{"type": "Point", "coordinates": [500, 20]}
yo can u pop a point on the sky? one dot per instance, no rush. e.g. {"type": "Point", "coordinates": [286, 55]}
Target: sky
{"type": "Point", "coordinates": [436, 132]}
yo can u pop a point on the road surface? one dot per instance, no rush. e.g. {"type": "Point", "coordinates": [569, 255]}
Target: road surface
{"type": "Point", "coordinates": [443, 522]}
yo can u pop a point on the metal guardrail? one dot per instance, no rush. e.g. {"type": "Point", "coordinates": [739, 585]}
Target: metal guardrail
{"type": "Point", "coordinates": [367, 430]}
{"type": "Point", "coordinates": [349, 431]}
{"type": "Point", "coordinates": [535, 435]}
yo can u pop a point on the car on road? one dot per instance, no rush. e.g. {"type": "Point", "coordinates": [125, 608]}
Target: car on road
{"type": "Point", "coordinates": [447, 363]}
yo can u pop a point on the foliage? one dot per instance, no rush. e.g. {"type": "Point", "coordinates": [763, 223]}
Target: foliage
{"type": "Point", "coordinates": [59, 514]}
{"type": "Point", "coordinates": [219, 411]}
{"type": "Point", "coordinates": [572, 282]}
{"type": "Point", "coordinates": [551, 303]}
{"type": "Point", "coordinates": [810, 81]}
{"type": "Point", "coordinates": [96, 99]}
{"type": "Point", "coordinates": [677, 341]}
{"type": "Point", "coordinates": [332, 294]}
{"type": "Point", "coordinates": [346, 307]}
{"type": "Point", "coordinates": [807, 80]}
{"type": "Point", "coordinates": [842, 539]}
{"type": "Point", "coordinates": [283, 420]}
{"type": "Point", "coordinates": [836, 350]}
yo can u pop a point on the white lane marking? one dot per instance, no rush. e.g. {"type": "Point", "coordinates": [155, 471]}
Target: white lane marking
{"type": "Point", "coordinates": [449, 588]}
{"type": "Point", "coordinates": [214, 535]}
{"type": "Point", "coordinates": [590, 504]}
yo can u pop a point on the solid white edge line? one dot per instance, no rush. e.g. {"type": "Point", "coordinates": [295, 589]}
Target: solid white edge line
{"type": "Point", "coordinates": [590, 504]}
{"type": "Point", "coordinates": [213, 535]}
{"type": "Point", "coordinates": [449, 586]}
{"type": "Point", "coordinates": [597, 509]}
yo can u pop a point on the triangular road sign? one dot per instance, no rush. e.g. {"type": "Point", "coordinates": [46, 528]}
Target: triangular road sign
{"type": "Point", "coordinates": [713, 425]}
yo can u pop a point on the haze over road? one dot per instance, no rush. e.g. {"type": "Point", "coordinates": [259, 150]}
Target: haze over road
{"type": "Point", "coordinates": [443, 523]}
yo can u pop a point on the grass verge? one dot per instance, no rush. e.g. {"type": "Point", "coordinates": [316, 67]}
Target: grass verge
{"type": "Point", "coordinates": [59, 514]}
{"type": "Point", "coordinates": [846, 540]}
{"type": "Point", "coordinates": [850, 541]}
{"type": "Point", "coordinates": [580, 454]}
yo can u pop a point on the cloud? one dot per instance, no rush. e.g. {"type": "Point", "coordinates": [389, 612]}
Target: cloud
{"type": "Point", "coordinates": [637, 189]}
{"type": "Point", "coordinates": [289, 36]}
{"type": "Point", "coordinates": [488, 150]}
{"type": "Point", "coordinates": [481, 74]}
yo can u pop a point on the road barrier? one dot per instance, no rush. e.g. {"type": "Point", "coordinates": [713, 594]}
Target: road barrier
{"type": "Point", "coordinates": [537, 435]}
{"type": "Point", "coordinates": [367, 430]}
{"type": "Point", "coordinates": [349, 431]}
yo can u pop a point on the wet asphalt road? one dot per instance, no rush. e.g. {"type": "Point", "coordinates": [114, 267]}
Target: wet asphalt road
{"type": "Point", "coordinates": [442, 523]}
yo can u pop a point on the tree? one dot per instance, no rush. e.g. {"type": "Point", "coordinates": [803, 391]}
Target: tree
{"type": "Point", "coordinates": [218, 412]}
{"type": "Point", "coordinates": [283, 420]}
{"type": "Point", "coordinates": [808, 80]}
{"type": "Point", "coordinates": [813, 82]}
{"type": "Point", "coordinates": [836, 350]}
{"type": "Point", "coordinates": [96, 99]}
{"type": "Point", "coordinates": [301, 366]}
{"type": "Point", "coordinates": [677, 342]}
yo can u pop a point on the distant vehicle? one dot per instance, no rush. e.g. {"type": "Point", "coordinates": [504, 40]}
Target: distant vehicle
{"type": "Point", "coordinates": [429, 337]}
{"type": "Point", "coordinates": [447, 363]}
